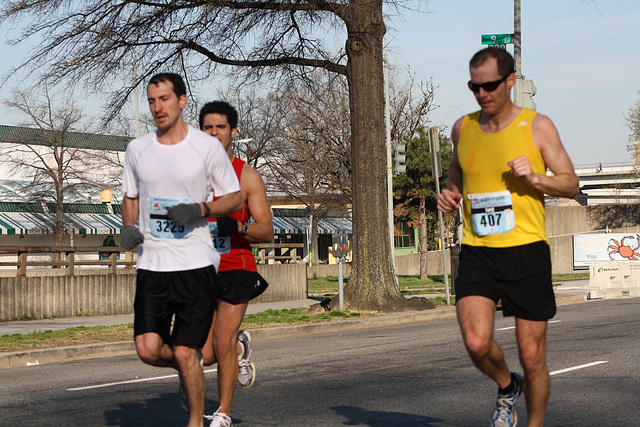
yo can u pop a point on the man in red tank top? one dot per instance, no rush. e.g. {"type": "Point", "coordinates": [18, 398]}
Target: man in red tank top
{"type": "Point", "coordinates": [238, 279]}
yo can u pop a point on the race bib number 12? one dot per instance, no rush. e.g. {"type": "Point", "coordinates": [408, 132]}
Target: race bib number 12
{"type": "Point", "coordinates": [160, 224]}
{"type": "Point", "coordinates": [492, 213]}
{"type": "Point", "coordinates": [221, 243]}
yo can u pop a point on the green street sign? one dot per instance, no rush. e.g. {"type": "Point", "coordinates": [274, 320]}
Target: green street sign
{"type": "Point", "coordinates": [499, 39]}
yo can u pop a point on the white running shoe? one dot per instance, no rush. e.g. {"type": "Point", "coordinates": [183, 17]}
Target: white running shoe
{"type": "Point", "coordinates": [219, 420]}
{"type": "Point", "coordinates": [245, 338]}
{"type": "Point", "coordinates": [246, 367]}
{"type": "Point", "coordinates": [505, 415]}
{"type": "Point", "coordinates": [246, 372]}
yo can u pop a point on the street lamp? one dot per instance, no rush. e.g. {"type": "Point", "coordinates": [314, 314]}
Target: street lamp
{"type": "Point", "coordinates": [133, 64]}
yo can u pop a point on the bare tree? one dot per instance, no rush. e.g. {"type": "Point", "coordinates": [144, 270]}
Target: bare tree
{"type": "Point", "coordinates": [311, 162]}
{"type": "Point", "coordinates": [261, 37]}
{"type": "Point", "coordinates": [632, 119]}
{"type": "Point", "coordinates": [53, 154]}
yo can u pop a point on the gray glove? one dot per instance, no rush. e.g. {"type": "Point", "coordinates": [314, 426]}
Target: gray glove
{"type": "Point", "coordinates": [183, 213]}
{"type": "Point", "coordinates": [130, 237]}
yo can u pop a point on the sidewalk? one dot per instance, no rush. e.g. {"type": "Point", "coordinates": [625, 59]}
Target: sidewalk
{"type": "Point", "coordinates": [56, 324]}
{"type": "Point", "coordinates": [568, 293]}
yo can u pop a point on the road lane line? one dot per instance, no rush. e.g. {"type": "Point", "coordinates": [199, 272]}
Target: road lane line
{"type": "Point", "coordinates": [132, 381]}
{"type": "Point", "coordinates": [574, 368]}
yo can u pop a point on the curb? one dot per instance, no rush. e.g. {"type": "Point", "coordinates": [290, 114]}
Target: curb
{"type": "Point", "coordinates": [127, 348]}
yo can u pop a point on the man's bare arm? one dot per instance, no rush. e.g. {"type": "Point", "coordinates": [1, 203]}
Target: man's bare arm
{"type": "Point", "coordinates": [129, 211]}
{"type": "Point", "coordinates": [564, 182]}
{"type": "Point", "coordinates": [261, 230]}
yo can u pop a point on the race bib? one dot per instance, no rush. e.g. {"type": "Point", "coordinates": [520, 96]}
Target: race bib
{"type": "Point", "coordinates": [160, 224]}
{"type": "Point", "coordinates": [221, 243]}
{"type": "Point", "coordinates": [492, 213]}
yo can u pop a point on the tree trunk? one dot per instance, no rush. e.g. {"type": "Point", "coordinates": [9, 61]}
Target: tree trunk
{"type": "Point", "coordinates": [59, 230]}
{"type": "Point", "coordinates": [372, 285]}
{"type": "Point", "coordinates": [423, 242]}
{"type": "Point", "coordinates": [314, 238]}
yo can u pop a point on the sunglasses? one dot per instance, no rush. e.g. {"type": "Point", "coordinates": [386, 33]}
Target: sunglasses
{"type": "Point", "coordinates": [487, 87]}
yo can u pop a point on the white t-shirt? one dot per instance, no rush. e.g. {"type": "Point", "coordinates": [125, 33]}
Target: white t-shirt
{"type": "Point", "coordinates": [162, 175]}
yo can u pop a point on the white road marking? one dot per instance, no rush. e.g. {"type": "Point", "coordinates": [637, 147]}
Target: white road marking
{"type": "Point", "coordinates": [132, 381]}
{"type": "Point", "coordinates": [574, 368]}
{"type": "Point", "coordinates": [513, 327]}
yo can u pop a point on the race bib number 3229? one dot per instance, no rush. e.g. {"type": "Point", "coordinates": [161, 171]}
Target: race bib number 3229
{"type": "Point", "coordinates": [492, 213]}
{"type": "Point", "coordinates": [159, 223]}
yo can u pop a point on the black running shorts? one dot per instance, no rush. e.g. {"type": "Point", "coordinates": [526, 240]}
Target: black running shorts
{"type": "Point", "coordinates": [189, 295]}
{"type": "Point", "coordinates": [239, 286]}
{"type": "Point", "coordinates": [520, 276]}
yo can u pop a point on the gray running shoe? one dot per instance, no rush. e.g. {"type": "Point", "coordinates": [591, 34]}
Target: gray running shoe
{"type": "Point", "coordinates": [504, 415]}
{"type": "Point", "coordinates": [245, 338]}
{"type": "Point", "coordinates": [219, 420]}
{"type": "Point", "coordinates": [246, 368]}
{"type": "Point", "coordinates": [246, 373]}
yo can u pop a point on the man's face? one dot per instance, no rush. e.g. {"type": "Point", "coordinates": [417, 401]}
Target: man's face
{"type": "Point", "coordinates": [491, 101]}
{"type": "Point", "coordinates": [164, 104]}
{"type": "Point", "coordinates": [217, 125]}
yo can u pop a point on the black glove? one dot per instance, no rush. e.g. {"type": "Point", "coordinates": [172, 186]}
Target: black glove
{"type": "Point", "coordinates": [227, 226]}
{"type": "Point", "coordinates": [183, 213]}
{"type": "Point", "coordinates": [130, 237]}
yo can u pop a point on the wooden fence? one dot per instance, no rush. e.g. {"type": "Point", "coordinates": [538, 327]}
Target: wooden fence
{"type": "Point", "coordinates": [66, 257]}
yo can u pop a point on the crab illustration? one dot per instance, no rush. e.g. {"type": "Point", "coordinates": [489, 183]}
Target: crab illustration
{"type": "Point", "coordinates": [623, 250]}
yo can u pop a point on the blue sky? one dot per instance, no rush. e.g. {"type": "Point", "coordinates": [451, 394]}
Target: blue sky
{"type": "Point", "coordinates": [584, 60]}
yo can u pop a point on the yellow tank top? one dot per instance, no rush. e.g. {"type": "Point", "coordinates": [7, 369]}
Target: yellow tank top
{"type": "Point", "coordinates": [499, 210]}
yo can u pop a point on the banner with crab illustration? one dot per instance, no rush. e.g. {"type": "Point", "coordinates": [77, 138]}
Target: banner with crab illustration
{"type": "Point", "coordinates": [590, 248]}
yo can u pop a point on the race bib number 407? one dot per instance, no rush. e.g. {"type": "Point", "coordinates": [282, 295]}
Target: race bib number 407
{"type": "Point", "coordinates": [160, 224]}
{"type": "Point", "coordinates": [492, 213]}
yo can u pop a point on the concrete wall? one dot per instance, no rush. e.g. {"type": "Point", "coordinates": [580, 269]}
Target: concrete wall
{"type": "Point", "coordinates": [105, 294]}
{"type": "Point", "coordinates": [286, 282]}
{"type": "Point", "coordinates": [66, 296]}
{"type": "Point", "coordinates": [324, 270]}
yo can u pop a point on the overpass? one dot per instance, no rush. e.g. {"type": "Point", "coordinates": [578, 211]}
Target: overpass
{"type": "Point", "coordinates": [605, 183]}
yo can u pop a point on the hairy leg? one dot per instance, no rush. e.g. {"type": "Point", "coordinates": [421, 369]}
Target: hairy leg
{"type": "Point", "coordinates": [153, 351]}
{"type": "Point", "coordinates": [532, 346]}
{"type": "Point", "coordinates": [193, 382]}
{"type": "Point", "coordinates": [476, 319]}
{"type": "Point", "coordinates": [227, 349]}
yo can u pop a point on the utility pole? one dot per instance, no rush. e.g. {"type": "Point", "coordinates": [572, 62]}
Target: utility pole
{"type": "Point", "coordinates": [387, 111]}
{"type": "Point", "coordinates": [517, 37]}
{"type": "Point", "coordinates": [524, 90]}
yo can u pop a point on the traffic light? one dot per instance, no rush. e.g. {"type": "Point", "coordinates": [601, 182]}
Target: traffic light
{"type": "Point", "coordinates": [523, 94]}
{"type": "Point", "coordinates": [400, 157]}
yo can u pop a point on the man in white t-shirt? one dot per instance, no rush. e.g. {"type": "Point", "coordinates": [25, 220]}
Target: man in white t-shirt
{"type": "Point", "coordinates": [167, 177]}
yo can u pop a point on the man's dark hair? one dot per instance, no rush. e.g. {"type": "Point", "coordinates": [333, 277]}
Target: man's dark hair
{"type": "Point", "coordinates": [220, 107]}
{"type": "Point", "coordinates": [506, 64]}
{"type": "Point", "coordinates": [179, 87]}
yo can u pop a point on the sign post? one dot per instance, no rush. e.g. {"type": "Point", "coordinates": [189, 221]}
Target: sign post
{"type": "Point", "coordinates": [340, 252]}
{"type": "Point", "coordinates": [436, 171]}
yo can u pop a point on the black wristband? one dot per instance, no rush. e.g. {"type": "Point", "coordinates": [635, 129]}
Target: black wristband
{"type": "Point", "coordinates": [207, 211]}
{"type": "Point", "coordinates": [245, 229]}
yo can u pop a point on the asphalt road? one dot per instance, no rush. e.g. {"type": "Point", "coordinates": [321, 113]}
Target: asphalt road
{"type": "Point", "coordinates": [408, 375]}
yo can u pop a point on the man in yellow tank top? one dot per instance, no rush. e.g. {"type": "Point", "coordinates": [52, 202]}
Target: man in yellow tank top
{"type": "Point", "coordinates": [501, 154]}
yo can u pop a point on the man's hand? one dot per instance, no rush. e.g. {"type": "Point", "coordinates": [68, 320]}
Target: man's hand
{"type": "Point", "coordinates": [227, 226]}
{"type": "Point", "coordinates": [521, 168]}
{"type": "Point", "coordinates": [183, 213]}
{"type": "Point", "coordinates": [448, 200]}
{"type": "Point", "coordinates": [130, 237]}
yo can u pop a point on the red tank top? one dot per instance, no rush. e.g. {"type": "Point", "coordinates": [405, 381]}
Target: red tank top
{"type": "Point", "coordinates": [240, 257]}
